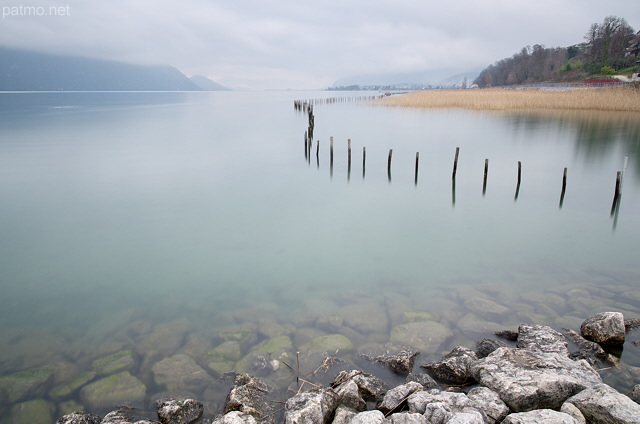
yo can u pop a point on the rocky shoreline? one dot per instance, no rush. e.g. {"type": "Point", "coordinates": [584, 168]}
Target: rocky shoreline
{"type": "Point", "coordinates": [546, 377]}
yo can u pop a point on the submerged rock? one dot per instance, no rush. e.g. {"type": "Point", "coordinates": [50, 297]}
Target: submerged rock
{"type": "Point", "coordinates": [65, 390]}
{"type": "Point", "coordinates": [180, 373]}
{"type": "Point", "coordinates": [37, 411]}
{"type": "Point", "coordinates": [605, 328]}
{"type": "Point", "coordinates": [527, 380]}
{"type": "Point", "coordinates": [330, 343]}
{"type": "Point", "coordinates": [116, 389]}
{"type": "Point", "coordinates": [24, 385]}
{"type": "Point", "coordinates": [116, 362]}
{"type": "Point", "coordinates": [424, 336]}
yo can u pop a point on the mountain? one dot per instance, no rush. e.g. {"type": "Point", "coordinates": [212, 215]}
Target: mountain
{"type": "Point", "coordinates": [22, 70]}
{"type": "Point", "coordinates": [205, 84]}
{"type": "Point", "coordinates": [435, 78]}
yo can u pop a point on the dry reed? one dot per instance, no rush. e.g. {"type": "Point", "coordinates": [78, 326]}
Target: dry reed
{"type": "Point", "coordinates": [617, 99]}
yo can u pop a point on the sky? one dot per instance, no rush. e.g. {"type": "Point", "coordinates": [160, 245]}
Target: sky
{"type": "Point", "coordinates": [300, 44]}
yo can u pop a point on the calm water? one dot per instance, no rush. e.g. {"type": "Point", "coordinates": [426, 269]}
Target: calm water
{"type": "Point", "coordinates": [202, 206]}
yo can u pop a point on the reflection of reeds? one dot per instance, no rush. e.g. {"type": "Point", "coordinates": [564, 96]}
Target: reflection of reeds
{"type": "Point", "coordinates": [623, 99]}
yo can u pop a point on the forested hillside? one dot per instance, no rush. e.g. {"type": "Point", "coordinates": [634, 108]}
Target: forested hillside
{"type": "Point", "coordinates": [609, 48]}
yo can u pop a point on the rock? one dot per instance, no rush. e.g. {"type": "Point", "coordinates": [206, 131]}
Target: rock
{"type": "Point", "coordinates": [527, 380]}
{"type": "Point", "coordinates": [454, 367]}
{"type": "Point", "coordinates": [235, 417]}
{"type": "Point", "coordinates": [67, 389]}
{"type": "Point", "coordinates": [163, 341]}
{"type": "Point", "coordinates": [407, 418]}
{"type": "Point", "coordinates": [249, 395]}
{"type": "Point", "coordinates": [603, 404]}
{"type": "Point", "coordinates": [226, 351]}
{"type": "Point", "coordinates": [37, 411]}
{"type": "Point", "coordinates": [245, 334]}
{"type": "Point", "coordinates": [329, 323]}
{"type": "Point", "coordinates": [591, 351]}
{"type": "Point", "coordinates": [276, 345]}
{"type": "Point", "coordinates": [466, 417]}
{"type": "Point", "coordinates": [256, 363]}
{"type": "Point", "coordinates": [365, 318]}
{"type": "Point", "coordinates": [424, 379]}
{"type": "Point", "coordinates": [605, 328]}
{"type": "Point", "coordinates": [183, 411]}
{"type": "Point", "coordinates": [400, 363]}
{"type": "Point", "coordinates": [350, 397]}
{"type": "Point", "coordinates": [425, 336]}
{"type": "Point", "coordinates": [635, 394]}
{"type": "Point", "coordinates": [507, 335]}
{"type": "Point", "coordinates": [442, 407]}
{"type": "Point", "coordinates": [571, 409]}
{"type": "Point", "coordinates": [484, 347]}
{"type": "Point", "coordinates": [368, 417]}
{"type": "Point", "coordinates": [395, 398]}
{"type": "Point", "coordinates": [488, 401]}
{"type": "Point", "coordinates": [69, 406]}
{"type": "Point", "coordinates": [316, 406]}
{"type": "Point", "coordinates": [116, 389]}
{"type": "Point", "coordinates": [540, 338]}
{"type": "Point", "coordinates": [79, 417]}
{"type": "Point", "coordinates": [269, 328]}
{"type": "Point", "coordinates": [180, 373]}
{"type": "Point", "coordinates": [343, 415]}
{"type": "Point", "coordinates": [540, 416]}
{"type": "Point", "coordinates": [124, 415]}
{"type": "Point", "coordinates": [328, 343]}
{"type": "Point", "coordinates": [486, 308]}
{"type": "Point", "coordinates": [116, 362]}
{"type": "Point", "coordinates": [631, 324]}
{"type": "Point", "coordinates": [370, 387]}
{"type": "Point", "coordinates": [24, 385]}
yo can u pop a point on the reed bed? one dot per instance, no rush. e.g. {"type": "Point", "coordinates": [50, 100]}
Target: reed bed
{"type": "Point", "coordinates": [616, 99]}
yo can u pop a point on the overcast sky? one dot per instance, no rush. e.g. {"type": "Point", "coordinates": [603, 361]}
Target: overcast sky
{"type": "Point", "coordinates": [300, 44]}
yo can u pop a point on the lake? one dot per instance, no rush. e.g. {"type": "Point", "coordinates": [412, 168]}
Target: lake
{"type": "Point", "coordinates": [175, 223]}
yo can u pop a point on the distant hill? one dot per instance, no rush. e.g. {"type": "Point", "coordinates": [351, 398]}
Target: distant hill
{"type": "Point", "coordinates": [22, 70]}
{"type": "Point", "coordinates": [412, 80]}
{"type": "Point", "coordinates": [206, 84]}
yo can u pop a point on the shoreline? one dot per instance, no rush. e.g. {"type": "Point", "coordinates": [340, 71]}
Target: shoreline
{"type": "Point", "coordinates": [611, 99]}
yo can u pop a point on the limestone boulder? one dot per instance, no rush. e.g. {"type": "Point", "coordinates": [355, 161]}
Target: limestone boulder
{"type": "Point", "coordinates": [541, 338]}
{"type": "Point", "coordinates": [605, 328]}
{"type": "Point", "coordinates": [601, 403]}
{"type": "Point", "coordinates": [454, 367]}
{"type": "Point", "coordinates": [527, 380]}
{"type": "Point", "coordinates": [316, 406]}
{"type": "Point", "coordinates": [79, 417]}
{"type": "Point", "coordinates": [540, 416]}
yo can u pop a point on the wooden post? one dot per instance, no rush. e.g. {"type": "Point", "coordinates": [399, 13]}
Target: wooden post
{"type": "Point", "coordinates": [455, 164]}
{"type": "Point", "coordinates": [486, 172]}
{"type": "Point", "coordinates": [564, 186]}
{"type": "Point", "coordinates": [349, 160]}
{"type": "Point", "coordinates": [519, 179]}
{"type": "Point", "coordinates": [364, 160]}
{"type": "Point", "coordinates": [389, 164]}
{"type": "Point", "coordinates": [331, 156]}
{"type": "Point", "coordinates": [416, 172]}
{"type": "Point", "coordinates": [616, 193]}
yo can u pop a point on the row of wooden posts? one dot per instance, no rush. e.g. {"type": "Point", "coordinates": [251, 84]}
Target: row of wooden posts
{"type": "Point", "coordinates": [308, 146]}
{"type": "Point", "coordinates": [307, 106]}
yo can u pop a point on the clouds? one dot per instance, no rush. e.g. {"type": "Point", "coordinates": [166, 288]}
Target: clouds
{"type": "Point", "coordinates": [297, 44]}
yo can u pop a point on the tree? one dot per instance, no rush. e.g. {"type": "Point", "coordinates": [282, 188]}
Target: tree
{"type": "Point", "coordinates": [608, 42]}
